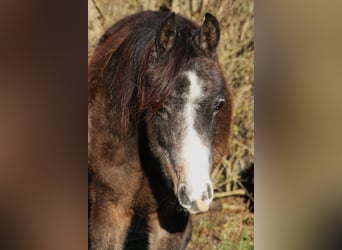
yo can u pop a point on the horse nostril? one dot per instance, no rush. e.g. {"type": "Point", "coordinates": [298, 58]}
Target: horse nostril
{"type": "Point", "coordinates": [183, 197]}
{"type": "Point", "coordinates": [205, 196]}
{"type": "Point", "coordinates": [208, 195]}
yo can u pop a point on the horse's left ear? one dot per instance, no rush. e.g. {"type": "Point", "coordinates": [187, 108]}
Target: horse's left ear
{"type": "Point", "coordinates": [208, 36]}
{"type": "Point", "coordinates": [166, 35]}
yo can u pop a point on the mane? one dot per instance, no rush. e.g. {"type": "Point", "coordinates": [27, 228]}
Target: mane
{"type": "Point", "coordinates": [129, 60]}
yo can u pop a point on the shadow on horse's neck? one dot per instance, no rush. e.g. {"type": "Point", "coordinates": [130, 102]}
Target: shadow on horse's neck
{"type": "Point", "coordinates": [171, 216]}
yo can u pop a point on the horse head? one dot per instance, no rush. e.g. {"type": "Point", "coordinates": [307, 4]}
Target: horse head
{"type": "Point", "coordinates": [182, 131]}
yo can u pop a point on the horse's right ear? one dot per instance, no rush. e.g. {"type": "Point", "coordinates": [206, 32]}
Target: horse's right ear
{"type": "Point", "coordinates": [208, 36]}
{"type": "Point", "coordinates": [166, 35]}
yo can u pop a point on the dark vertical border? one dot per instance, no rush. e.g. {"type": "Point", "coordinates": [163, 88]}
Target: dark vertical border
{"type": "Point", "coordinates": [43, 93]}
{"type": "Point", "coordinates": [297, 125]}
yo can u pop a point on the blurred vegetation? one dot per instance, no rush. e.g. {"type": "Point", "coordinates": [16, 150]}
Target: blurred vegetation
{"type": "Point", "coordinates": [236, 55]}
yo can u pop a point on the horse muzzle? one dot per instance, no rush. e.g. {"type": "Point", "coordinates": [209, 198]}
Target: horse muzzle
{"type": "Point", "coordinates": [195, 202]}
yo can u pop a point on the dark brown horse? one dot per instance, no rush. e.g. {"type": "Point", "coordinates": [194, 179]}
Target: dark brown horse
{"type": "Point", "coordinates": [159, 118]}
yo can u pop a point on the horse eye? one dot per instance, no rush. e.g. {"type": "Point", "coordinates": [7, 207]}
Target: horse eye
{"type": "Point", "coordinates": [162, 110]}
{"type": "Point", "coordinates": [163, 113]}
{"type": "Point", "coordinates": [219, 104]}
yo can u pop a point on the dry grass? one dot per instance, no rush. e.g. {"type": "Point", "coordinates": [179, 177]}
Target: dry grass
{"type": "Point", "coordinates": [230, 226]}
{"type": "Point", "coordinates": [236, 55]}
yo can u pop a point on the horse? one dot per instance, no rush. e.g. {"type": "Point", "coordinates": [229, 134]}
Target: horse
{"type": "Point", "coordinates": [159, 115]}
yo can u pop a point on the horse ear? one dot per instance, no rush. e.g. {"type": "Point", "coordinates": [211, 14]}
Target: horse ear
{"type": "Point", "coordinates": [166, 35]}
{"type": "Point", "coordinates": [208, 36]}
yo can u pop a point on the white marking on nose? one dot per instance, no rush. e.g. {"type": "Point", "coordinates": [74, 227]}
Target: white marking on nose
{"type": "Point", "coordinates": [196, 155]}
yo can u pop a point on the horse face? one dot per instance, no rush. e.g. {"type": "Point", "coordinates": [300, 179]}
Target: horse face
{"type": "Point", "coordinates": [182, 132]}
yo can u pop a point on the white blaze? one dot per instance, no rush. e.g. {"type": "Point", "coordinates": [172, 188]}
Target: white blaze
{"type": "Point", "coordinates": [196, 155]}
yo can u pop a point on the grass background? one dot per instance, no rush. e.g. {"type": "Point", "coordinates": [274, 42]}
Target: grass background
{"type": "Point", "coordinates": [229, 224]}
